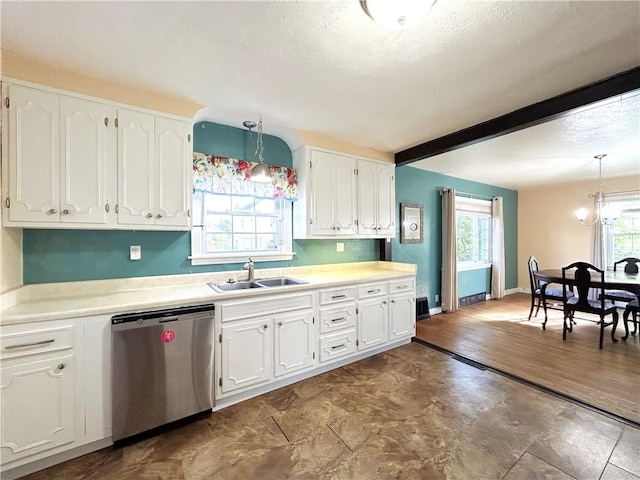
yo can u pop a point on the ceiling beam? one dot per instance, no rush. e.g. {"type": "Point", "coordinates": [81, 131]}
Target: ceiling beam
{"type": "Point", "coordinates": [525, 117]}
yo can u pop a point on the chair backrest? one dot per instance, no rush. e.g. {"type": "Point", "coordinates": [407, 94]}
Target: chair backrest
{"type": "Point", "coordinates": [583, 276]}
{"type": "Point", "coordinates": [533, 267]}
{"type": "Point", "coordinates": [631, 264]}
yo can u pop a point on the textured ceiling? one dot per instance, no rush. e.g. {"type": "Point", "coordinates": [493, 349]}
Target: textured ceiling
{"type": "Point", "coordinates": [326, 67]}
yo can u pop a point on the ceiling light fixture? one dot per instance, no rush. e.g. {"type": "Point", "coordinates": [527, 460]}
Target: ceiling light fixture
{"type": "Point", "coordinates": [396, 14]}
{"type": "Point", "coordinates": [260, 173]}
{"type": "Point", "coordinates": [603, 212]}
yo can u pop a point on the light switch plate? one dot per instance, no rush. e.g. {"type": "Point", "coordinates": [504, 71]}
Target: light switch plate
{"type": "Point", "coordinates": [135, 252]}
{"type": "Point", "coordinates": [339, 247]}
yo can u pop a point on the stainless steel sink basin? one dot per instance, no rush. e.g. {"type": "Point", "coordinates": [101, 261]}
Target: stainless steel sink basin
{"type": "Point", "coordinates": [279, 282]}
{"type": "Point", "coordinates": [229, 287]}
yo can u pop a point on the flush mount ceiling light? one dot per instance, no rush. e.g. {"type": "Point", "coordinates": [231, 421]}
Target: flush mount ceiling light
{"type": "Point", "coordinates": [396, 14]}
{"type": "Point", "coordinates": [260, 173]}
{"type": "Point", "coordinates": [602, 212]}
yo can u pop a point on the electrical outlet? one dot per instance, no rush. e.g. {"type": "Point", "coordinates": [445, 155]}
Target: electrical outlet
{"type": "Point", "coordinates": [437, 298]}
{"type": "Point", "coordinates": [135, 252]}
{"type": "Point", "coordinates": [339, 247]}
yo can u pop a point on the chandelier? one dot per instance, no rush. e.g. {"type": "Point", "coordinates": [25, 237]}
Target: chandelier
{"type": "Point", "coordinates": [603, 212]}
{"type": "Point", "coordinates": [260, 173]}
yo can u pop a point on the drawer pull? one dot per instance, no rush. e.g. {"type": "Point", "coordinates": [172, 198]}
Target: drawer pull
{"type": "Point", "coordinates": [61, 366]}
{"type": "Point", "coordinates": [338, 319]}
{"type": "Point", "coordinates": [376, 290]}
{"type": "Point", "coordinates": [23, 345]}
{"type": "Point", "coordinates": [402, 286]}
{"type": "Point", "coordinates": [335, 347]}
{"type": "Point", "coordinates": [335, 297]}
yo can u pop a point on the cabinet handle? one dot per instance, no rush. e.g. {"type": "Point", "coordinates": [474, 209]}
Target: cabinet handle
{"type": "Point", "coordinates": [117, 208]}
{"type": "Point", "coordinates": [338, 346]}
{"type": "Point", "coordinates": [61, 366]}
{"type": "Point", "coordinates": [106, 207]}
{"type": "Point", "coordinates": [52, 211]}
{"type": "Point", "coordinates": [33, 344]}
{"type": "Point", "coordinates": [159, 215]}
{"type": "Point", "coordinates": [65, 212]}
{"type": "Point", "coordinates": [376, 290]}
{"type": "Point", "coordinates": [393, 301]}
{"type": "Point", "coordinates": [279, 324]}
{"type": "Point", "coordinates": [337, 319]}
{"type": "Point", "coordinates": [7, 202]}
{"type": "Point", "coordinates": [265, 326]}
{"type": "Point", "coordinates": [149, 215]}
{"type": "Point", "coordinates": [335, 297]}
{"type": "Point", "coordinates": [402, 286]}
{"type": "Point", "coordinates": [384, 303]}
{"type": "Point", "coordinates": [106, 121]}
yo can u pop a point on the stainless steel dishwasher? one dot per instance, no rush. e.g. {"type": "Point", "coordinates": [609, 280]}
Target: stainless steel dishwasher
{"type": "Point", "coordinates": [162, 367]}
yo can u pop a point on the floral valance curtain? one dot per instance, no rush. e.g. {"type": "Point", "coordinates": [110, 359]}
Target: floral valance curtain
{"type": "Point", "coordinates": [216, 174]}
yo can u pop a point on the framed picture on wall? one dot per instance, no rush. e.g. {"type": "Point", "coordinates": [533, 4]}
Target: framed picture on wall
{"type": "Point", "coordinates": [411, 227]}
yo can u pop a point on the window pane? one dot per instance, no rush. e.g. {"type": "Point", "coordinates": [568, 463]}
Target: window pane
{"type": "Point", "coordinates": [218, 223]}
{"type": "Point", "coordinates": [243, 204]}
{"type": "Point", "coordinates": [217, 242]}
{"type": "Point", "coordinates": [265, 205]}
{"type": "Point", "coordinates": [266, 225]}
{"type": "Point", "coordinates": [267, 242]}
{"type": "Point", "coordinates": [244, 242]}
{"type": "Point", "coordinates": [464, 238]}
{"type": "Point", "coordinates": [217, 203]}
{"type": "Point", "coordinates": [244, 224]}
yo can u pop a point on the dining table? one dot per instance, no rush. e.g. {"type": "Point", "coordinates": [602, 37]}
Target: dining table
{"type": "Point", "coordinates": [618, 280]}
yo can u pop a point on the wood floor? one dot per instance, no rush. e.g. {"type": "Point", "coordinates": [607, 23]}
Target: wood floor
{"type": "Point", "coordinates": [497, 333]}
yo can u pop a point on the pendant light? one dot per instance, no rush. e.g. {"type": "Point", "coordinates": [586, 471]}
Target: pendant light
{"type": "Point", "coordinates": [261, 172]}
{"type": "Point", "coordinates": [602, 212]}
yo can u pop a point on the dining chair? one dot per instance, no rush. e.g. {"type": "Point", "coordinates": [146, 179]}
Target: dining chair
{"type": "Point", "coordinates": [536, 292]}
{"type": "Point", "coordinates": [631, 267]}
{"type": "Point", "coordinates": [585, 277]}
{"type": "Point", "coordinates": [632, 308]}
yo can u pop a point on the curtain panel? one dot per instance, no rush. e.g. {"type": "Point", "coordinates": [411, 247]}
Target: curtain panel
{"type": "Point", "coordinates": [449, 260]}
{"type": "Point", "coordinates": [215, 174]}
{"type": "Point", "coordinates": [497, 248]}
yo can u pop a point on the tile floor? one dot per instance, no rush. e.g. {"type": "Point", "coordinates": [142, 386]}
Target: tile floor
{"type": "Point", "coordinates": [410, 413]}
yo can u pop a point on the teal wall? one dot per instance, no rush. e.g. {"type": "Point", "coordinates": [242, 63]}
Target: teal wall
{"type": "Point", "coordinates": [414, 185]}
{"type": "Point", "coordinates": [70, 255]}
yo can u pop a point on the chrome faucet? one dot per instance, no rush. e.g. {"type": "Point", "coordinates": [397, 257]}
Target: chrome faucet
{"type": "Point", "coordinates": [250, 267]}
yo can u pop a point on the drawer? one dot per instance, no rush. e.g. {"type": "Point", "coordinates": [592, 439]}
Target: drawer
{"type": "Point", "coordinates": [36, 341]}
{"type": "Point", "coordinates": [337, 345]}
{"type": "Point", "coordinates": [334, 295]}
{"type": "Point", "coordinates": [338, 317]}
{"type": "Point", "coordinates": [261, 306]}
{"type": "Point", "coordinates": [402, 285]}
{"type": "Point", "coordinates": [372, 290]}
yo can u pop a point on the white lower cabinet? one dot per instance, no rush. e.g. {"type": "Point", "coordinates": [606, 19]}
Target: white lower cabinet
{"type": "Point", "coordinates": [402, 316]}
{"type": "Point", "coordinates": [294, 349]}
{"type": "Point", "coordinates": [38, 405]}
{"type": "Point", "coordinates": [372, 323]}
{"type": "Point", "coordinates": [246, 354]}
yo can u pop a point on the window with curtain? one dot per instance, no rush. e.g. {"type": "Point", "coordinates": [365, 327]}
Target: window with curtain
{"type": "Point", "coordinates": [622, 237]}
{"type": "Point", "coordinates": [235, 218]}
{"type": "Point", "coordinates": [473, 233]}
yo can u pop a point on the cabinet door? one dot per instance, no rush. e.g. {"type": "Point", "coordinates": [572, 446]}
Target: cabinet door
{"type": "Point", "coordinates": [136, 168]}
{"type": "Point", "coordinates": [367, 198]}
{"type": "Point", "coordinates": [294, 340]}
{"type": "Point", "coordinates": [386, 201]}
{"type": "Point", "coordinates": [322, 192]}
{"type": "Point", "coordinates": [372, 323]}
{"type": "Point", "coordinates": [174, 172]}
{"type": "Point", "coordinates": [34, 155]}
{"type": "Point", "coordinates": [37, 400]}
{"type": "Point", "coordinates": [245, 357]}
{"type": "Point", "coordinates": [402, 316]}
{"type": "Point", "coordinates": [345, 195]}
{"type": "Point", "coordinates": [88, 146]}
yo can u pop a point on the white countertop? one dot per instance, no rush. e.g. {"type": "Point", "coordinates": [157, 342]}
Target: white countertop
{"type": "Point", "coordinates": [52, 301]}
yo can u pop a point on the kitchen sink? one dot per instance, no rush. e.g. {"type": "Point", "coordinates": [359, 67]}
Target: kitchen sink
{"type": "Point", "coordinates": [231, 286]}
{"type": "Point", "coordinates": [279, 282]}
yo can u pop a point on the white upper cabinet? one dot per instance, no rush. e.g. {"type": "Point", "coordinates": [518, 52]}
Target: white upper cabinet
{"type": "Point", "coordinates": [31, 123]}
{"type": "Point", "coordinates": [174, 153]}
{"type": "Point", "coordinates": [83, 163]}
{"type": "Point", "coordinates": [338, 192]}
{"type": "Point", "coordinates": [376, 199]}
